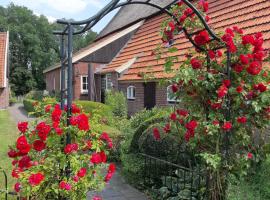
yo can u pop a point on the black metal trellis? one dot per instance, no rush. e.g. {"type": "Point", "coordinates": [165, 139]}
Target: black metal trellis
{"type": "Point", "coordinates": [85, 25]}
{"type": "Point", "coordinates": [6, 192]}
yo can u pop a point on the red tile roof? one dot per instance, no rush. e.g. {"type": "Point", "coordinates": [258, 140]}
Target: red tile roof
{"type": "Point", "coordinates": [3, 58]}
{"type": "Point", "coordinates": [250, 15]}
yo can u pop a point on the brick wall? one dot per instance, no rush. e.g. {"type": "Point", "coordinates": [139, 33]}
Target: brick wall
{"type": "Point", "coordinates": [138, 104]}
{"type": "Point", "coordinates": [4, 97]}
{"type": "Point", "coordinates": [53, 80]}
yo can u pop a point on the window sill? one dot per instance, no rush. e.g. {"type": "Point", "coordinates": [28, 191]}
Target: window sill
{"type": "Point", "coordinates": [131, 99]}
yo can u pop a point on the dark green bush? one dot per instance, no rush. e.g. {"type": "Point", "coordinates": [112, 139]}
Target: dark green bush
{"type": "Point", "coordinates": [29, 105]}
{"type": "Point", "coordinates": [35, 95]}
{"type": "Point", "coordinates": [117, 101]}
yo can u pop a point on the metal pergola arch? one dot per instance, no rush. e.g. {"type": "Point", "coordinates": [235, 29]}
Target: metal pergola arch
{"type": "Point", "coordinates": [68, 32]}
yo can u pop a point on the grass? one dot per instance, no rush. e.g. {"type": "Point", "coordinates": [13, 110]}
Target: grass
{"type": "Point", "coordinates": [8, 135]}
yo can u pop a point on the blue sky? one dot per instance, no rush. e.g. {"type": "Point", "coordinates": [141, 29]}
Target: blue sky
{"type": "Point", "coordinates": [57, 9]}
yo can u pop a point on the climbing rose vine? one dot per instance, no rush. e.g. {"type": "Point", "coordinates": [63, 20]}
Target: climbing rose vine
{"type": "Point", "coordinates": [222, 102]}
{"type": "Point", "coordinates": [45, 167]}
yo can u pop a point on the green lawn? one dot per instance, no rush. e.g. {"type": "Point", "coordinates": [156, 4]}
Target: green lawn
{"type": "Point", "coordinates": [8, 134]}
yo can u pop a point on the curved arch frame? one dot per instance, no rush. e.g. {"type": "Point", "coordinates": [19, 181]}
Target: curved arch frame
{"type": "Point", "coordinates": [68, 32]}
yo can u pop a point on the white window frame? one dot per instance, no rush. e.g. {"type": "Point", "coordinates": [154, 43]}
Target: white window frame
{"type": "Point", "coordinates": [84, 91]}
{"type": "Point", "coordinates": [107, 82]}
{"type": "Point", "coordinates": [169, 98]}
{"type": "Point", "coordinates": [131, 92]}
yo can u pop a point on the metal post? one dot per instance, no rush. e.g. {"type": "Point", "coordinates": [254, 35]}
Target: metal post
{"type": "Point", "coordinates": [62, 54]}
{"type": "Point", "coordinates": [90, 82]}
{"type": "Point", "coordinates": [70, 77]}
{"type": "Point", "coordinates": [228, 102]}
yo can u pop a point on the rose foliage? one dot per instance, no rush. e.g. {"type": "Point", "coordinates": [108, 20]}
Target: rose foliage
{"type": "Point", "coordinates": [221, 101]}
{"type": "Point", "coordinates": [47, 168]}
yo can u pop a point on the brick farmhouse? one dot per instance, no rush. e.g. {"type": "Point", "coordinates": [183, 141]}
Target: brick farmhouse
{"type": "Point", "coordinates": [124, 49]}
{"type": "Point", "coordinates": [4, 87]}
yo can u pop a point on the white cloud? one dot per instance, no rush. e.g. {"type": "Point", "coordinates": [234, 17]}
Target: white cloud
{"type": "Point", "coordinates": [64, 6]}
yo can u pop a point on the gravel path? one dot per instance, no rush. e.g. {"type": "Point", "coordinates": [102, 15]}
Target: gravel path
{"type": "Point", "coordinates": [117, 189]}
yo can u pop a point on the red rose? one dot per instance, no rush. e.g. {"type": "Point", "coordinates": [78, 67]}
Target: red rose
{"type": "Point", "coordinates": [62, 185]}
{"type": "Point", "coordinates": [156, 133]}
{"type": "Point", "coordinates": [23, 126]}
{"type": "Point", "coordinates": [108, 177]}
{"type": "Point", "coordinates": [195, 63]}
{"type": "Point", "coordinates": [73, 121]}
{"type": "Point", "coordinates": [202, 38]}
{"type": "Point", "coordinates": [173, 117]}
{"type": "Point", "coordinates": [182, 18]}
{"type": "Point", "coordinates": [227, 83]}
{"type": "Point", "coordinates": [95, 158]}
{"type": "Point", "coordinates": [12, 153]}
{"type": "Point", "coordinates": [227, 126]}
{"type": "Point", "coordinates": [103, 156]}
{"type": "Point", "coordinates": [211, 54]}
{"type": "Point", "coordinates": [111, 168]}
{"type": "Point", "coordinates": [75, 109]}
{"type": "Point", "coordinates": [216, 106]}
{"type": "Point", "coordinates": [242, 120]}
{"type": "Point", "coordinates": [247, 39]}
{"type": "Point", "coordinates": [83, 123]}
{"type": "Point", "coordinates": [191, 125]}
{"type": "Point", "coordinates": [22, 145]}
{"type": "Point", "coordinates": [167, 128]}
{"type": "Point", "coordinates": [216, 122]}
{"type": "Point", "coordinates": [15, 173]}
{"type": "Point", "coordinates": [237, 30]}
{"type": "Point", "coordinates": [262, 87]}
{"type": "Point", "coordinates": [249, 155]}
{"type": "Point", "coordinates": [229, 31]}
{"type": "Point", "coordinates": [182, 112]}
{"type": "Point", "coordinates": [75, 179]}
{"type": "Point", "coordinates": [207, 18]}
{"type": "Point", "coordinates": [35, 179]}
{"type": "Point", "coordinates": [222, 91]}
{"type": "Point", "coordinates": [17, 187]}
{"type": "Point", "coordinates": [244, 59]}
{"type": "Point", "coordinates": [171, 26]}
{"type": "Point", "coordinates": [48, 108]}
{"type": "Point", "coordinates": [58, 131]}
{"type": "Point", "coordinates": [239, 89]}
{"type": "Point", "coordinates": [70, 148]}
{"type": "Point", "coordinates": [25, 162]}
{"type": "Point", "coordinates": [104, 136]}
{"type": "Point", "coordinates": [56, 115]}
{"type": "Point", "coordinates": [43, 130]}
{"type": "Point", "coordinates": [238, 68]}
{"type": "Point", "coordinates": [174, 88]}
{"type": "Point", "coordinates": [219, 53]}
{"type": "Point", "coordinates": [39, 145]}
{"type": "Point", "coordinates": [97, 198]}
{"type": "Point", "coordinates": [82, 172]}
{"type": "Point", "coordinates": [254, 68]}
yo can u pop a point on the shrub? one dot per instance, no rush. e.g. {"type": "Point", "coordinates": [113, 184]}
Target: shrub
{"type": "Point", "coordinates": [35, 95]}
{"type": "Point", "coordinates": [117, 101]}
{"type": "Point", "coordinates": [45, 167]}
{"type": "Point", "coordinates": [29, 105]}
{"type": "Point", "coordinates": [97, 109]}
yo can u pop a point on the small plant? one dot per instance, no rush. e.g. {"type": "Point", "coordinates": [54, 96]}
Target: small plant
{"type": "Point", "coordinates": [54, 161]}
{"type": "Point", "coordinates": [117, 101]}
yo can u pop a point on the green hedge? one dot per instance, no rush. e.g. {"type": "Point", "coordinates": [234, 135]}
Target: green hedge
{"type": "Point", "coordinates": [35, 95]}
{"type": "Point", "coordinates": [95, 108]}
{"type": "Point", "coordinates": [28, 105]}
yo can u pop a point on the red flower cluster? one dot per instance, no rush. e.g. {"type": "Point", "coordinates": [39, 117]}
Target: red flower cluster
{"type": "Point", "coordinates": [242, 120]}
{"type": "Point", "coordinates": [227, 126]}
{"type": "Point", "coordinates": [64, 186]}
{"type": "Point", "coordinates": [228, 39]}
{"type": "Point", "coordinates": [82, 172]}
{"type": "Point", "coordinates": [204, 5]}
{"type": "Point", "coordinates": [98, 157]}
{"type": "Point", "coordinates": [222, 91]}
{"type": "Point", "coordinates": [39, 145]}
{"type": "Point", "coordinates": [24, 162]}
{"type": "Point", "coordinates": [17, 187]}
{"type": "Point", "coordinates": [23, 127]}
{"type": "Point", "coordinates": [81, 121]}
{"type": "Point", "coordinates": [110, 172]}
{"type": "Point", "coordinates": [202, 38]}
{"type": "Point", "coordinates": [195, 63]}
{"type": "Point", "coordinates": [260, 87]}
{"type": "Point", "coordinates": [47, 108]}
{"type": "Point", "coordinates": [105, 137]}
{"type": "Point", "coordinates": [43, 130]}
{"type": "Point", "coordinates": [97, 198]}
{"type": "Point", "coordinates": [156, 133]}
{"type": "Point", "coordinates": [22, 145]}
{"type": "Point", "coordinates": [56, 115]}
{"type": "Point", "coordinates": [70, 148]}
{"type": "Point", "coordinates": [190, 126]}
{"type": "Point", "coordinates": [167, 128]}
{"type": "Point", "coordinates": [35, 179]}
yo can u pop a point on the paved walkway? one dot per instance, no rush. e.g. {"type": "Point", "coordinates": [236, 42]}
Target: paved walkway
{"type": "Point", "coordinates": [117, 189]}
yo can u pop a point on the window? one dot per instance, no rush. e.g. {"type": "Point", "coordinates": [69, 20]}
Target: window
{"type": "Point", "coordinates": [171, 98]}
{"type": "Point", "coordinates": [106, 82]}
{"type": "Point", "coordinates": [84, 84]}
{"type": "Point", "coordinates": [131, 92]}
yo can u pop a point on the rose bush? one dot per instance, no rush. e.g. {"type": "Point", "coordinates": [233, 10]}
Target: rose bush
{"type": "Point", "coordinates": [223, 89]}
{"type": "Point", "coordinates": [47, 168]}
